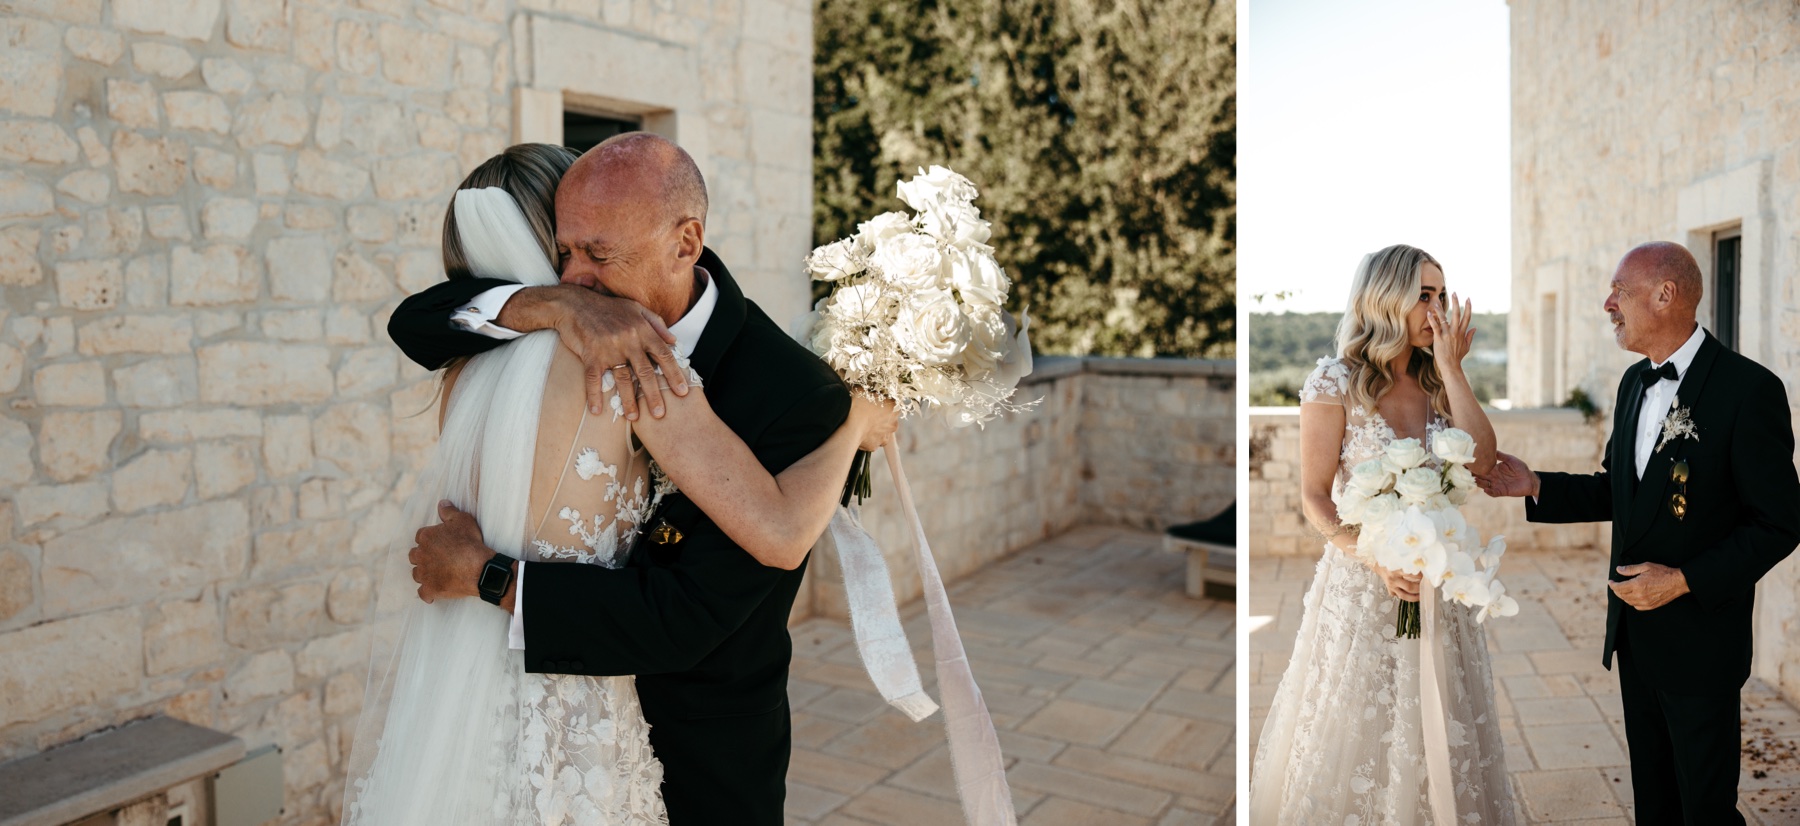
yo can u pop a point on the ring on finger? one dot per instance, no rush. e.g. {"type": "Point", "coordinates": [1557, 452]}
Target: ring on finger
{"type": "Point", "coordinates": [621, 365]}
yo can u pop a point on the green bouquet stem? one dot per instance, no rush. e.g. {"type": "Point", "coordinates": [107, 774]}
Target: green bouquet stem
{"type": "Point", "coordinates": [1406, 624]}
{"type": "Point", "coordinates": [859, 484]}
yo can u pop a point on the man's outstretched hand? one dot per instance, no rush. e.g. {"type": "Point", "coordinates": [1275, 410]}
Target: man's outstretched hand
{"type": "Point", "coordinates": [1510, 477]}
{"type": "Point", "coordinates": [449, 556]}
{"type": "Point", "coordinates": [610, 334]}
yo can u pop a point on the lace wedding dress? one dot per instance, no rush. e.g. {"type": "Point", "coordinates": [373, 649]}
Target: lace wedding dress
{"type": "Point", "coordinates": [1342, 743]}
{"type": "Point", "coordinates": [454, 730]}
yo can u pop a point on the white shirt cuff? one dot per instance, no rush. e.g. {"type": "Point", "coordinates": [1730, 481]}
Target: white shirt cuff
{"type": "Point", "coordinates": [478, 315]}
{"type": "Point", "coordinates": [515, 633]}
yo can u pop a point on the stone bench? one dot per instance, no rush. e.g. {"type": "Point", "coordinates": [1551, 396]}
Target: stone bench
{"type": "Point", "coordinates": [1211, 548]}
{"type": "Point", "coordinates": [148, 772]}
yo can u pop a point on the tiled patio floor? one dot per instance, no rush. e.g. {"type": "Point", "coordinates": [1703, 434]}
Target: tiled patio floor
{"type": "Point", "coordinates": [1112, 692]}
{"type": "Point", "coordinates": [1560, 712]}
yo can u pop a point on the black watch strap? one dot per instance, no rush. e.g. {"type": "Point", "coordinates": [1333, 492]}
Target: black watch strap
{"type": "Point", "coordinates": [496, 577]}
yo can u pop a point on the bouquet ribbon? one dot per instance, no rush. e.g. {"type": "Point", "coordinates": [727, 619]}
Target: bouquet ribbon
{"type": "Point", "coordinates": [1440, 788]}
{"type": "Point", "coordinates": [975, 758]}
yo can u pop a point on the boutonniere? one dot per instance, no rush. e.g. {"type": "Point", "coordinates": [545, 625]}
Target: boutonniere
{"type": "Point", "coordinates": [1679, 424]}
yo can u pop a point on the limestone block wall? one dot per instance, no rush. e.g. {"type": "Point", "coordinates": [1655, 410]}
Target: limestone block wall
{"type": "Point", "coordinates": [207, 210]}
{"type": "Point", "coordinates": [1546, 439]}
{"type": "Point", "coordinates": [1667, 121]}
{"type": "Point", "coordinates": [1143, 443]}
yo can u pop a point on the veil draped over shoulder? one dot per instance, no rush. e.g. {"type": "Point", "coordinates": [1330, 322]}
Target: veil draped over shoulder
{"type": "Point", "coordinates": [449, 752]}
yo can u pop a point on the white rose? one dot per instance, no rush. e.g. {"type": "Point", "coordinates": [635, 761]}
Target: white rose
{"type": "Point", "coordinates": [1371, 477]}
{"type": "Point", "coordinates": [1457, 496]}
{"type": "Point", "coordinates": [932, 328]}
{"type": "Point", "coordinates": [863, 303]}
{"type": "Point", "coordinates": [988, 341]}
{"type": "Point", "coordinates": [1459, 477]}
{"type": "Point", "coordinates": [911, 262]}
{"type": "Point", "coordinates": [835, 260]}
{"type": "Point", "coordinates": [979, 279]}
{"type": "Point", "coordinates": [1352, 503]}
{"type": "Point", "coordinates": [812, 331]}
{"type": "Point", "coordinates": [938, 185]}
{"type": "Point", "coordinates": [1379, 508]}
{"type": "Point", "coordinates": [1403, 455]}
{"type": "Point", "coordinates": [1455, 446]}
{"type": "Point", "coordinates": [1417, 485]}
{"type": "Point", "coordinates": [958, 224]}
{"type": "Point", "coordinates": [870, 233]}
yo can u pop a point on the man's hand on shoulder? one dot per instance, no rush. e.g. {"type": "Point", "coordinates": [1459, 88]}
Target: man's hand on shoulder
{"type": "Point", "coordinates": [1510, 477]}
{"type": "Point", "coordinates": [608, 334]}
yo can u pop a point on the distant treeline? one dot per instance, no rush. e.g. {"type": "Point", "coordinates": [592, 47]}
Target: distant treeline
{"type": "Point", "coordinates": [1284, 348]}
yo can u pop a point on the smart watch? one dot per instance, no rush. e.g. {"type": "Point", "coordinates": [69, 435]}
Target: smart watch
{"type": "Point", "coordinates": [496, 576]}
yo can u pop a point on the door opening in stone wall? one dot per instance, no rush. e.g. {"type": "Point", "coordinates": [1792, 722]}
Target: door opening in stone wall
{"type": "Point", "coordinates": [1727, 264]}
{"type": "Point", "coordinates": [583, 131]}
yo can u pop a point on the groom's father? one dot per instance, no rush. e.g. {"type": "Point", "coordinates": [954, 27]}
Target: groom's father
{"type": "Point", "coordinates": [701, 623]}
{"type": "Point", "coordinates": [1698, 481]}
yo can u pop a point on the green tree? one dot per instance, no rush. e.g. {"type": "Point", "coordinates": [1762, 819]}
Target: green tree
{"type": "Point", "coordinates": [1101, 133]}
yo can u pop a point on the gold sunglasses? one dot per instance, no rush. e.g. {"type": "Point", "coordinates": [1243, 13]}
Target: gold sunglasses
{"type": "Point", "coordinates": [1678, 502]}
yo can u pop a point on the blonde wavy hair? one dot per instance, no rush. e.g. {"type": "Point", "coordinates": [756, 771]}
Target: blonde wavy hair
{"type": "Point", "coordinates": [1373, 333]}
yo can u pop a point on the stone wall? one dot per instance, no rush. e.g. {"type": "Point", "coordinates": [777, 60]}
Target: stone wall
{"type": "Point", "coordinates": [1143, 443]}
{"type": "Point", "coordinates": [1546, 439]}
{"type": "Point", "coordinates": [1670, 120]}
{"type": "Point", "coordinates": [207, 210]}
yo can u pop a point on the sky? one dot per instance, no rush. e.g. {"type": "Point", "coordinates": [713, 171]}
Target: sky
{"type": "Point", "coordinates": [1367, 124]}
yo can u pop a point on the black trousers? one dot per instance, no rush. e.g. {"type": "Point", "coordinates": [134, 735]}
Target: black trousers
{"type": "Point", "coordinates": [1684, 750]}
{"type": "Point", "coordinates": [724, 770]}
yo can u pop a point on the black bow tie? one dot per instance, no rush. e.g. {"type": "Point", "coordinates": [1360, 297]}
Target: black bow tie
{"type": "Point", "coordinates": [1652, 375]}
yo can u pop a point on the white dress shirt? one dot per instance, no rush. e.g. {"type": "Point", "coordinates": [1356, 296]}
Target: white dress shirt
{"type": "Point", "coordinates": [478, 316]}
{"type": "Point", "coordinates": [1660, 397]}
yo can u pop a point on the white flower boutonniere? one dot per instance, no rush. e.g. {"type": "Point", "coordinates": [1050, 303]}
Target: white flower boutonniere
{"type": "Point", "coordinates": [1679, 424]}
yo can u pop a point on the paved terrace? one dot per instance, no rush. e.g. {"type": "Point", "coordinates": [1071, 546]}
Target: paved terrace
{"type": "Point", "coordinates": [1565, 735]}
{"type": "Point", "coordinates": [1112, 692]}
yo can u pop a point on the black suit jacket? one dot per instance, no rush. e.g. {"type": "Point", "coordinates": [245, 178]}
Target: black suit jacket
{"type": "Point", "coordinates": [1743, 517]}
{"type": "Point", "coordinates": [701, 623]}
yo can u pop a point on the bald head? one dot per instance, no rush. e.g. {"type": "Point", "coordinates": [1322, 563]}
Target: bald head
{"type": "Point", "coordinates": [647, 166]}
{"type": "Point", "coordinates": [1657, 262]}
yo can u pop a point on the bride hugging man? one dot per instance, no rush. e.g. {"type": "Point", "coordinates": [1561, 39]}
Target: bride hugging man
{"type": "Point", "coordinates": [1697, 480]}
{"type": "Point", "coordinates": [633, 464]}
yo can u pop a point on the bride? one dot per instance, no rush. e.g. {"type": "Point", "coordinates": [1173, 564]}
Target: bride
{"type": "Point", "coordinates": [1343, 742]}
{"type": "Point", "coordinates": [454, 730]}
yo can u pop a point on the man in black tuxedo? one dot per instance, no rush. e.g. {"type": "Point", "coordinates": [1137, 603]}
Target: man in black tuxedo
{"type": "Point", "coordinates": [1699, 515]}
{"type": "Point", "coordinates": [701, 623]}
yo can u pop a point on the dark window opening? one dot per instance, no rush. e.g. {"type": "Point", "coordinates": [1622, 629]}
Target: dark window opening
{"type": "Point", "coordinates": [582, 132]}
{"type": "Point", "coordinates": [1727, 263]}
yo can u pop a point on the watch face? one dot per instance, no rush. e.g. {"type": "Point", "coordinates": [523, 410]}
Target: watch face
{"type": "Point", "coordinates": [493, 578]}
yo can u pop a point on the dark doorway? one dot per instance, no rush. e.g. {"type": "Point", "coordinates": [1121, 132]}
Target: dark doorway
{"type": "Point", "coordinates": [1727, 263]}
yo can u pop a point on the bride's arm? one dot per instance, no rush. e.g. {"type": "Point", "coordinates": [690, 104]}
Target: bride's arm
{"type": "Point", "coordinates": [776, 518]}
{"type": "Point", "coordinates": [1321, 448]}
{"type": "Point", "coordinates": [1451, 339]}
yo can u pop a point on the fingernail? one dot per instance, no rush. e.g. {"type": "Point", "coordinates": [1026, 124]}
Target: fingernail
{"type": "Point", "coordinates": [657, 412]}
{"type": "Point", "coordinates": [594, 410]}
{"type": "Point", "coordinates": [631, 417]}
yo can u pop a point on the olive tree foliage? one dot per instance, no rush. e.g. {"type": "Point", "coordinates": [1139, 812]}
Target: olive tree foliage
{"type": "Point", "coordinates": [1100, 132]}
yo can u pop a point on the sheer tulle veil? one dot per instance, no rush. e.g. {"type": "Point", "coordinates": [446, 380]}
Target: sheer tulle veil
{"type": "Point", "coordinates": [437, 741]}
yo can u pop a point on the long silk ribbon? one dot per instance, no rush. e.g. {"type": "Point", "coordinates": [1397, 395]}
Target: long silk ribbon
{"type": "Point", "coordinates": [875, 617]}
{"type": "Point", "coordinates": [1440, 787]}
{"type": "Point", "coordinates": [975, 759]}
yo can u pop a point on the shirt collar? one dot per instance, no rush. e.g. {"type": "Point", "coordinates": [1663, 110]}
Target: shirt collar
{"type": "Point", "coordinates": [1684, 356]}
{"type": "Point", "coordinates": [687, 331]}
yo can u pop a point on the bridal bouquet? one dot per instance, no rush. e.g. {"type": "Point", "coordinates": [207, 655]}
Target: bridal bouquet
{"type": "Point", "coordinates": [915, 313]}
{"type": "Point", "coordinates": [1410, 522]}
